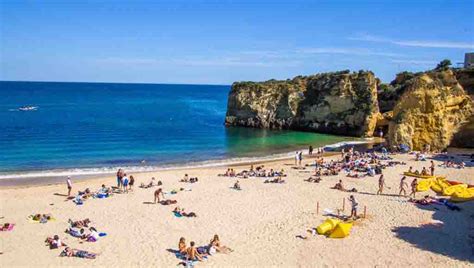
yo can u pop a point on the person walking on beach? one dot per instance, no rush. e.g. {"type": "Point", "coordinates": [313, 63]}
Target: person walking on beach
{"type": "Point", "coordinates": [354, 205]}
{"type": "Point", "coordinates": [432, 168]}
{"type": "Point", "coordinates": [296, 158]}
{"type": "Point", "coordinates": [414, 184]}
{"type": "Point", "coordinates": [69, 186]}
{"type": "Point", "coordinates": [310, 150]}
{"type": "Point", "coordinates": [381, 184]}
{"type": "Point", "coordinates": [403, 184]}
{"type": "Point", "coordinates": [300, 157]}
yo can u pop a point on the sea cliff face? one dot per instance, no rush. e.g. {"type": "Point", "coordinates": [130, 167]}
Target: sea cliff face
{"type": "Point", "coordinates": [430, 111]}
{"type": "Point", "coordinates": [340, 103]}
{"type": "Point", "coordinates": [415, 109]}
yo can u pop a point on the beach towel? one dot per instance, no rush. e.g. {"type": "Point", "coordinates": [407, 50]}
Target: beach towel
{"type": "Point", "coordinates": [177, 214]}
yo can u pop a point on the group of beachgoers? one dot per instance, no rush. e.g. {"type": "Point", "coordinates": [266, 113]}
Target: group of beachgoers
{"type": "Point", "coordinates": [193, 253]}
{"type": "Point", "coordinates": [124, 183]}
{"type": "Point", "coordinates": [76, 229]}
{"type": "Point", "coordinates": [258, 171]}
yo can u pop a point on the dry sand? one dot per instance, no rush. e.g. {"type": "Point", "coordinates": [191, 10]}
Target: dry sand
{"type": "Point", "coordinates": [260, 222]}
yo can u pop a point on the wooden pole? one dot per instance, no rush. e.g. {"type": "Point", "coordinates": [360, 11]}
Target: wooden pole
{"type": "Point", "coordinates": [365, 211]}
{"type": "Point", "coordinates": [317, 208]}
{"type": "Point", "coordinates": [343, 204]}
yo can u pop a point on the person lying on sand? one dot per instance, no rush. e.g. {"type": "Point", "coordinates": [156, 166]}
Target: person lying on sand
{"type": "Point", "coordinates": [76, 232]}
{"type": "Point", "coordinates": [7, 227]}
{"type": "Point", "coordinates": [168, 202]}
{"type": "Point", "coordinates": [313, 179]}
{"type": "Point", "coordinates": [69, 252]}
{"type": "Point", "coordinates": [277, 180]}
{"type": "Point", "coordinates": [157, 195]}
{"type": "Point", "coordinates": [93, 236]}
{"type": "Point", "coordinates": [54, 242]}
{"type": "Point", "coordinates": [80, 224]}
{"type": "Point", "coordinates": [42, 218]}
{"type": "Point", "coordinates": [215, 245]}
{"type": "Point", "coordinates": [180, 211]}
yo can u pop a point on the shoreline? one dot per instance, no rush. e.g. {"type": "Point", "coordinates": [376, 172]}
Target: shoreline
{"type": "Point", "coordinates": [25, 182]}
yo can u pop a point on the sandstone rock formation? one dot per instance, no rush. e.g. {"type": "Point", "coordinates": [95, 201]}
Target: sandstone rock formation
{"type": "Point", "coordinates": [430, 111]}
{"type": "Point", "coordinates": [465, 136]}
{"type": "Point", "coordinates": [339, 103]}
{"type": "Point", "coordinates": [414, 109]}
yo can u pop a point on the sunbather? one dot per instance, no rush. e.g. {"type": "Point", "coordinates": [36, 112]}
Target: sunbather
{"type": "Point", "coordinates": [69, 252]}
{"type": "Point", "coordinates": [7, 227]}
{"type": "Point", "coordinates": [80, 224]}
{"type": "Point", "coordinates": [192, 253]}
{"type": "Point", "coordinates": [76, 232]}
{"type": "Point", "coordinates": [216, 245]}
{"type": "Point", "coordinates": [180, 211]}
{"type": "Point", "coordinates": [182, 246]}
{"type": "Point", "coordinates": [54, 242]}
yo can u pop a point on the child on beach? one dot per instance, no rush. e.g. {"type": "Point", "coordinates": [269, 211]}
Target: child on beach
{"type": "Point", "coordinates": [125, 183]}
{"type": "Point", "coordinates": [237, 185]}
{"type": "Point", "coordinates": [354, 205]}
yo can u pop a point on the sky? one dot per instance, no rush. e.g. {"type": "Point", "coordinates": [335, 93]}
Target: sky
{"type": "Point", "coordinates": [219, 42]}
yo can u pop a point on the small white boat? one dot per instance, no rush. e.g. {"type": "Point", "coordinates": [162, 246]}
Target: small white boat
{"type": "Point", "coordinates": [28, 108]}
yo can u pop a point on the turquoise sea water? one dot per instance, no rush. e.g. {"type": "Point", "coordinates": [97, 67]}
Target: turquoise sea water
{"type": "Point", "coordinates": [96, 127]}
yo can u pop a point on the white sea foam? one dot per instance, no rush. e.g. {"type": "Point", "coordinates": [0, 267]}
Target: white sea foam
{"type": "Point", "coordinates": [149, 168]}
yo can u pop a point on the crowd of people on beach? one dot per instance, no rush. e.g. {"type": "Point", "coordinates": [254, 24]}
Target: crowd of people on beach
{"type": "Point", "coordinates": [355, 164]}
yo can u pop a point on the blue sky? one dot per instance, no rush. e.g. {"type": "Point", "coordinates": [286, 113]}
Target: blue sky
{"type": "Point", "coordinates": [218, 42]}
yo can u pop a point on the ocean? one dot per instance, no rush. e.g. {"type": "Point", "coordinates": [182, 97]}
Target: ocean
{"type": "Point", "coordinates": [92, 128]}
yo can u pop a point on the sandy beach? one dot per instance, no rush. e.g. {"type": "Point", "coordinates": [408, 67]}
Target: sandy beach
{"type": "Point", "coordinates": [260, 223]}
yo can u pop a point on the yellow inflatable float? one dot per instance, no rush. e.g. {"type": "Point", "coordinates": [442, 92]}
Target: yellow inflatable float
{"type": "Point", "coordinates": [327, 226]}
{"type": "Point", "coordinates": [424, 185]}
{"type": "Point", "coordinates": [418, 175]}
{"type": "Point", "coordinates": [342, 230]}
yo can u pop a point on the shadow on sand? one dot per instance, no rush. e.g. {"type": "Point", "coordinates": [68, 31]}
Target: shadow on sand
{"type": "Point", "coordinates": [450, 239]}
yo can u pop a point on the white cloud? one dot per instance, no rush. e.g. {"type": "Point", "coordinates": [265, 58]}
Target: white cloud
{"type": "Point", "coordinates": [415, 43]}
{"type": "Point", "coordinates": [415, 62]}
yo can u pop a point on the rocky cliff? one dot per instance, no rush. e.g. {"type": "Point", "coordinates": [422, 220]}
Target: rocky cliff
{"type": "Point", "coordinates": [418, 108]}
{"type": "Point", "coordinates": [465, 136]}
{"type": "Point", "coordinates": [340, 103]}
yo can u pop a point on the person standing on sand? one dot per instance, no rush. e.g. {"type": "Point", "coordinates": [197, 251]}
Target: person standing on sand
{"type": "Point", "coordinates": [119, 178]}
{"type": "Point", "coordinates": [296, 158]}
{"type": "Point", "coordinates": [69, 186]}
{"type": "Point", "coordinates": [310, 150]}
{"type": "Point", "coordinates": [125, 183]}
{"type": "Point", "coordinates": [403, 184]}
{"type": "Point", "coordinates": [132, 181]}
{"type": "Point", "coordinates": [354, 205]}
{"type": "Point", "coordinates": [432, 168]}
{"type": "Point", "coordinates": [381, 184]}
{"type": "Point", "coordinates": [414, 184]}
{"type": "Point", "coordinates": [300, 157]}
